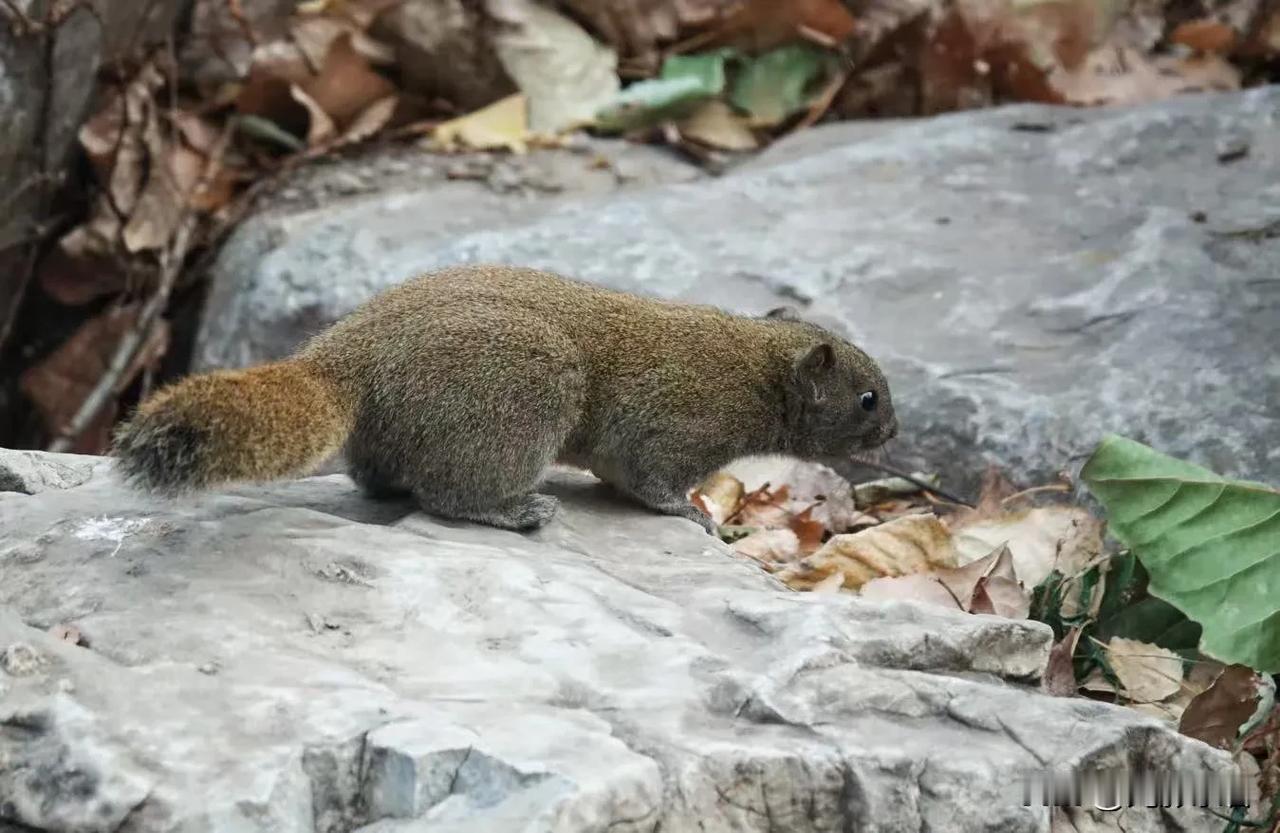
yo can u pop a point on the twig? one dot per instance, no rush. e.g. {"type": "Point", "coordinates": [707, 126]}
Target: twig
{"type": "Point", "coordinates": [171, 260]}
{"type": "Point", "coordinates": [910, 478]}
{"type": "Point", "coordinates": [236, 10]}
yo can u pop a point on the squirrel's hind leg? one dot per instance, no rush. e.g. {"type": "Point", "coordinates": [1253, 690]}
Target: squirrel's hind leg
{"type": "Point", "coordinates": [523, 513]}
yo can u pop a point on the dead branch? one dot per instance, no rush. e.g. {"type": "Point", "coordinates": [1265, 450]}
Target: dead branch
{"type": "Point", "coordinates": [171, 260]}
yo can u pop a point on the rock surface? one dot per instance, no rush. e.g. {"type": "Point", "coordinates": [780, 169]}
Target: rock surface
{"type": "Point", "coordinates": [1031, 277]}
{"type": "Point", "coordinates": [298, 658]}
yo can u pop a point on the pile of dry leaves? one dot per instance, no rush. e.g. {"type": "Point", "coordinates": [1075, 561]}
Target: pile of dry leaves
{"type": "Point", "coordinates": [1026, 554]}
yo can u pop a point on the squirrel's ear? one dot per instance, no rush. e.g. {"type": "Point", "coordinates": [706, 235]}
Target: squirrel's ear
{"type": "Point", "coordinates": [811, 366]}
{"type": "Point", "coordinates": [782, 314]}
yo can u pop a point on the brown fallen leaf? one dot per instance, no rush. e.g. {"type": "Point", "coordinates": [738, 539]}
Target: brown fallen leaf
{"type": "Point", "coordinates": [1216, 714]}
{"type": "Point", "coordinates": [1059, 673]}
{"type": "Point", "coordinates": [912, 544]}
{"type": "Point", "coordinates": [773, 546]}
{"type": "Point", "coordinates": [346, 85]}
{"type": "Point", "coordinates": [59, 383]}
{"type": "Point", "coordinates": [1147, 673]}
{"type": "Point", "coordinates": [1205, 35]}
{"type": "Point", "coordinates": [1001, 596]}
{"type": "Point", "coordinates": [321, 129]}
{"type": "Point", "coordinates": [765, 508]}
{"type": "Point", "coordinates": [759, 25]}
{"type": "Point", "coordinates": [963, 580]}
{"type": "Point", "coordinates": [809, 532]}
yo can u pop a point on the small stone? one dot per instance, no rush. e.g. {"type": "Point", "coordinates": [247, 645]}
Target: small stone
{"type": "Point", "coordinates": [208, 668]}
{"type": "Point", "coordinates": [22, 660]}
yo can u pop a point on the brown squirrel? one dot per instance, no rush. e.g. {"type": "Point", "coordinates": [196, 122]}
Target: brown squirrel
{"type": "Point", "coordinates": [461, 387]}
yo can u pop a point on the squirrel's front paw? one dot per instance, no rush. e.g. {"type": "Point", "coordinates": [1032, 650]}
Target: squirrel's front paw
{"type": "Point", "coordinates": [692, 513]}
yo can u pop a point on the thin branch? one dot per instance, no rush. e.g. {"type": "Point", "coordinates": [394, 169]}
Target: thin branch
{"type": "Point", "coordinates": [912, 479]}
{"type": "Point", "coordinates": [171, 260]}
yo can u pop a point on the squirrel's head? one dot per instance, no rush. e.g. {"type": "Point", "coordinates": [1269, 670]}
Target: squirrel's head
{"type": "Point", "coordinates": [837, 399]}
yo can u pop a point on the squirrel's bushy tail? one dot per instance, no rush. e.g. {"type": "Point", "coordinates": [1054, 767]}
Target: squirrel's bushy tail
{"type": "Point", "coordinates": [259, 424]}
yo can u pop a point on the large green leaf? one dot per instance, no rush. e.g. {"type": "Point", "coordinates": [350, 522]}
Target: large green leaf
{"type": "Point", "coordinates": [779, 83]}
{"type": "Point", "coordinates": [1210, 545]}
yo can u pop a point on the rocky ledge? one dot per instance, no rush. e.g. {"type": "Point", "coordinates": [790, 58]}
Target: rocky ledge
{"type": "Point", "coordinates": [298, 658]}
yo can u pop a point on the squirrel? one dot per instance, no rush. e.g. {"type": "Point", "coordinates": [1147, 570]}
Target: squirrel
{"type": "Point", "coordinates": [462, 386]}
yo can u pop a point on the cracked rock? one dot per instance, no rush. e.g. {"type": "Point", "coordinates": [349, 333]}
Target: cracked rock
{"type": "Point", "coordinates": [616, 670]}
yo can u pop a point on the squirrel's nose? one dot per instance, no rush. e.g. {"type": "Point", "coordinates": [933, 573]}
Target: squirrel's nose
{"type": "Point", "coordinates": [890, 428]}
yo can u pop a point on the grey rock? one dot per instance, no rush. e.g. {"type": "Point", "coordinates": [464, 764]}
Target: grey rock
{"type": "Point", "coordinates": [615, 670]}
{"type": "Point", "coordinates": [31, 472]}
{"type": "Point", "coordinates": [1027, 290]}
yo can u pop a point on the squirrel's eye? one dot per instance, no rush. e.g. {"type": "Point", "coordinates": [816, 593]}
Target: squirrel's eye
{"type": "Point", "coordinates": [868, 401]}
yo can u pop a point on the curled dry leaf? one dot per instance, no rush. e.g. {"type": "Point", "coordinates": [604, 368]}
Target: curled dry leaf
{"type": "Point", "coordinates": [1035, 537]}
{"type": "Point", "coordinates": [720, 495]}
{"type": "Point", "coordinates": [911, 544]}
{"type": "Point", "coordinates": [770, 546]}
{"type": "Point", "coordinates": [1216, 715]}
{"type": "Point", "coordinates": [1147, 673]}
{"type": "Point", "coordinates": [1000, 596]}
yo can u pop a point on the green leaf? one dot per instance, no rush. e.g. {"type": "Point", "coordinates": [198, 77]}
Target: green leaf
{"type": "Point", "coordinates": [1211, 546]}
{"type": "Point", "coordinates": [685, 81]}
{"type": "Point", "coordinates": [778, 83]}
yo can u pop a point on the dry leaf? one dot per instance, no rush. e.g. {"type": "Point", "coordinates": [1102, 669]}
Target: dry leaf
{"type": "Point", "coordinates": [720, 496]}
{"type": "Point", "coordinates": [346, 85]}
{"type": "Point", "coordinates": [765, 508]}
{"type": "Point", "coordinates": [963, 580]}
{"type": "Point", "coordinates": [760, 25]}
{"type": "Point", "coordinates": [1034, 536]}
{"type": "Point", "coordinates": [59, 383]}
{"type": "Point", "coordinates": [1001, 596]}
{"type": "Point", "coordinates": [82, 266]}
{"type": "Point", "coordinates": [716, 125]}
{"type": "Point", "coordinates": [1216, 714]}
{"type": "Point", "coordinates": [500, 126]}
{"type": "Point", "coordinates": [1059, 673]}
{"type": "Point", "coordinates": [808, 531]}
{"type": "Point", "coordinates": [922, 587]}
{"type": "Point", "coordinates": [769, 545]}
{"type": "Point", "coordinates": [913, 544]}
{"type": "Point", "coordinates": [566, 77]}
{"type": "Point", "coordinates": [375, 117]}
{"type": "Point", "coordinates": [1119, 75]}
{"type": "Point", "coordinates": [320, 128]}
{"type": "Point", "coordinates": [1205, 35]}
{"type": "Point", "coordinates": [1148, 673]}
